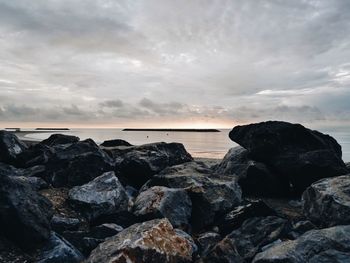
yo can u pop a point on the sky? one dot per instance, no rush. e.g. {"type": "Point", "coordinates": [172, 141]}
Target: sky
{"type": "Point", "coordinates": [166, 63]}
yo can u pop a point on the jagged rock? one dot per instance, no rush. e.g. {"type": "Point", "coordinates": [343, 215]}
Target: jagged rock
{"type": "Point", "coordinates": [160, 201]}
{"type": "Point", "coordinates": [348, 166]}
{"type": "Point", "coordinates": [56, 139]}
{"type": "Point", "coordinates": [253, 177]}
{"type": "Point", "coordinates": [151, 241]}
{"type": "Point", "coordinates": [35, 182]}
{"type": "Point", "coordinates": [207, 241]}
{"type": "Point", "coordinates": [137, 164]}
{"type": "Point", "coordinates": [331, 256]}
{"type": "Point", "coordinates": [299, 156]}
{"type": "Point", "coordinates": [211, 195]}
{"type": "Point", "coordinates": [327, 202]}
{"type": "Point", "coordinates": [248, 240]}
{"type": "Point", "coordinates": [312, 246]}
{"type": "Point", "coordinates": [10, 147]}
{"type": "Point", "coordinates": [24, 214]}
{"type": "Point", "coordinates": [300, 228]}
{"type": "Point", "coordinates": [102, 196]}
{"type": "Point", "coordinates": [237, 216]}
{"type": "Point", "coordinates": [38, 154]}
{"type": "Point", "coordinates": [59, 250]}
{"type": "Point", "coordinates": [115, 143]}
{"type": "Point", "coordinates": [60, 224]}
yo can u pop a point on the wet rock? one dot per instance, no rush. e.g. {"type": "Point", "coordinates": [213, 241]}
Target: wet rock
{"type": "Point", "coordinates": [160, 201]}
{"type": "Point", "coordinates": [207, 241]}
{"type": "Point", "coordinates": [298, 155]}
{"type": "Point", "coordinates": [211, 195]}
{"type": "Point", "coordinates": [102, 196]}
{"type": "Point", "coordinates": [56, 139]}
{"type": "Point", "coordinates": [10, 147]}
{"type": "Point", "coordinates": [327, 202]}
{"type": "Point", "coordinates": [115, 143]}
{"type": "Point", "coordinates": [59, 250]}
{"type": "Point", "coordinates": [248, 240]}
{"type": "Point", "coordinates": [151, 241]}
{"type": "Point", "coordinates": [237, 216]}
{"type": "Point", "coordinates": [137, 164]}
{"type": "Point", "coordinates": [24, 214]}
{"type": "Point", "coordinates": [60, 223]}
{"type": "Point", "coordinates": [314, 245]}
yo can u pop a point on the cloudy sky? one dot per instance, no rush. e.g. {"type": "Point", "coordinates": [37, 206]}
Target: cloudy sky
{"type": "Point", "coordinates": [173, 63]}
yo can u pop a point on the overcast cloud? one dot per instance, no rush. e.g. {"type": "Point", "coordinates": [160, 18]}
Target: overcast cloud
{"type": "Point", "coordinates": [109, 62]}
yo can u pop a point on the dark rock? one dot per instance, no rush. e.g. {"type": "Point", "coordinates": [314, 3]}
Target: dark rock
{"type": "Point", "coordinates": [35, 182]}
{"type": "Point", "coordinates": [248, 240]}
{"type": "Point", "coordinates": [115, 143]}
{"type": "Point", "coordinates": [151, 241]}
{"type": "Point", "coordinates": [331, 256]}
{"type": "Point", "coordinates": [105, 230]}
{"type": "Point", "coordinates": [60, 224]}
{"type": "Point", "coordinates": [207, 241]}
{"type": "Point", "coordinates": [160, 201]}
{"type": "Point", "coordinates": [236, 217]}
{"type": "Point", "coordinates": [314, 245]}
{"type": "Point", "coordinates": [348, 166]}
{"type": "Point", "coordinates": [298, 155]}
{"type": "Point", "coordinates": [211, 195]}
{"type": "Point", "coordinates": [10, 147]}
{"type": "Point", "coordinates": [327, 202]}
{"type": "Point", "coordinates": [38, 154]}
{"type": "Point", "coordinates": [59, 250]}
{"type": "Point", "coordinates": [56, 139]}
{"type": "Point", "coordinates": [102, 196]}
{"type": "Point", "coordinates": [24, 214]}
{"type": "Point", "coordinates": [137, 164]}
{"type": "Point", "coordinates": [122, 218]}
{"type": "Point", "coordinates": [9, 252]}
{"type": "Point", "coordinates": [300, 228]}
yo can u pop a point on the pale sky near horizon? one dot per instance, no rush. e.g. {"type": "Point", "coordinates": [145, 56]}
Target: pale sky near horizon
{"type": "Point", "coordinates": [184, 63]}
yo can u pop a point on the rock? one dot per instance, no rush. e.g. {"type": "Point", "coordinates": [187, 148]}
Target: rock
{"type": "Point", "coordinates": [237, 216]}
{"type": "Point", "coordinates": [151, 241]}
{"type": "Point", "coordinates": [24, 214]}
{"type": "Point", "coordinates": [313, 246]}
{"type": "Point", "coordinates": [38, 154]}
{"type": "Point", "coordinates": [60, 224]}
{"type": "Point", "coordinates": [11, 253]}
{"type": "Point", "coordinates": [211, 195]}
{"type": "Point", "coordinates": [298, 155]}
{"type": "Point", "coordinates": [122, 218]}
{"type": "Point", "coordinates": [105, 230]}
{"type": "Point", "coordinates": [160, 201]}
{"type": "Point", "coordinates": [59, 250]}
{"type": "Point", "coordinates": [137, 164]}
{"type": "Point", "coordinates": [56, 139]}
{"type": "Point", "coordinates": [300, 228]}
{"type": "Point", "coordinates": [348, 166]}
{"type": "Point", "coordinates": [207, 241]}
{"type": "Point", "coordinates": [253, 177]}
{"type": "Point", "coordinates": [102, 196]}
{"type": "Point", "coordinates": [35, 182]}
{"type": "Point", "coordinates": [10, 147]}
{"type": "Point", "coordinates": [331, 256]}
{"type": "Point", "coordinates": [247, 240]}
{"type": "Point", "coordinates": [327, 202]}
{"type": "Point", "coordinates": [115, 143]}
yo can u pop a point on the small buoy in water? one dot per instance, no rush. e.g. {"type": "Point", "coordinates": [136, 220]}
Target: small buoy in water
{"type": "Point", "coordinates": [147, 136]}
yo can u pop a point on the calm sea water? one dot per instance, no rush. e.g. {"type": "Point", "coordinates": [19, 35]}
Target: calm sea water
{"type": "Point", "coordinates": [208, 145]}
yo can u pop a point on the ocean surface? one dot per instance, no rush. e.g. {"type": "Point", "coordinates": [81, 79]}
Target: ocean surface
{"type": "Point", "coordinates": [199, 144]}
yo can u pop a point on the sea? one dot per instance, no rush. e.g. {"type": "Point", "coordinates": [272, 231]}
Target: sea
{"type": "Point", "coordinates": [199, 144]}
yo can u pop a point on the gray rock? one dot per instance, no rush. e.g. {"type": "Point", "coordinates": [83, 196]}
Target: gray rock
{"type": "Point", "coordinates": [160, 201]}
{"type": "Point", "coordinates": [299, 228]}
{"type": "Point", "coordinates": [207, 241]}
{"type": "Point", "coordinates": [314, 245]}
{"type": "Point", "coordinates": [151, 241]}
{"type": "Point", "coordinates": [59, 250]}
{"type": "Point", "coordinates": [10, 147]}
{"type": "Point", "coordinates": [211, 195]}
{"type": "Point", "coordinates": [102, 196]}
{"type": "Point", "coordinates": [56, 139]}
{"type": "Point", "coordinates": [348, 166]}
{"type": "Point", "coordinates": [331, 256]}
{"type": "Point", "coordinates": [60, 224]}
{"type": "Point", "coordinates": [327, 202]}
{"type": "Point", "coordinates": [36, 183]}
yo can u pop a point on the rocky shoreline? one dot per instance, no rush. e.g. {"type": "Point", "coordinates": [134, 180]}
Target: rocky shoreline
{"type": "Point", "coordinates": [283, 195]}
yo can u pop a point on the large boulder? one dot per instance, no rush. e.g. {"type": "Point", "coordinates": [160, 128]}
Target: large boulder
{"type": "Point", "coordinates": [115, 143]}
{"type": "Point", "coordinates": [151, 241]}
{"type": "Point", "coordinates": [160, 201]}
{"type": "Point", "coordinates": [10, 147]}
{"type": "Point", "coordinates": [327, 202]}
{"type": "Point", "coordinates": [300, 156]}
{"type": "Point", "coordinates": [206, 241]}
{"type": "Point", "coordinates": [57, 139]}
{"type": "Point", "coordinates": [314, 246]}
{"type": "Point", "coordinates": [255, 178]}
{"type": "Point", "coordinates": [24, 214]}
{"type": "Point", "coordinates": [137, 164]}
{"type": "Point", "coordinates": [211, 195]}
{"type": "Point", "coordinates": [102, 196]}
{"type": "Point", "coordinates": [38, 154]}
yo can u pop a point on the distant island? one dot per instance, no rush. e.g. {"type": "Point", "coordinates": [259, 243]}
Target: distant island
{"type": "Point", "coordinates": [52, 129]}
{"type": "Point", "coordinates": [174, 130]}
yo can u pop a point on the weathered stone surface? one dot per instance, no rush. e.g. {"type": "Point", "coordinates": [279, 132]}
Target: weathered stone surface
{"type": "Point", "coordinates": [331, 256]}
{"type": "Point", "coordinates": [211, 195]}
{"type": "Point", "coordinates": [10, 147]}
{"type": "Point", "coordinates": [35, 182]}
{"type": "Point", "coordinates": [298, 155]}
{"type": "Point", "coordinates": [59, 250]}
{"type": "Point", "coordinates": [60, 223]}
{"type": "Point", "coordinates": [327, 202]}
{"type": "Point", "coordinates": [207, 241]}
{"type": "Point", "coordinates": [160, 201]}
{"type": "Point", "coordinates": [24, 214]}
{"type": "Point", "coordinates": [312, 246]}
{"type": "Point", "coordinates": [151, 241]}
{"type": "Point", "coordinates": [299, 228]}
{"type": "Point", "coordinates": [38, 154]}
{"type": "Point", "coordinates": [56, 139]}
{"type": "Point", "coordinates": [253, 177]}
{"type": "Point", "coordinates": [102, 196]}
{"type": "Point", "coordinates": [137, 164]}
{"type": "Point", "coordinates": [115, 143]}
